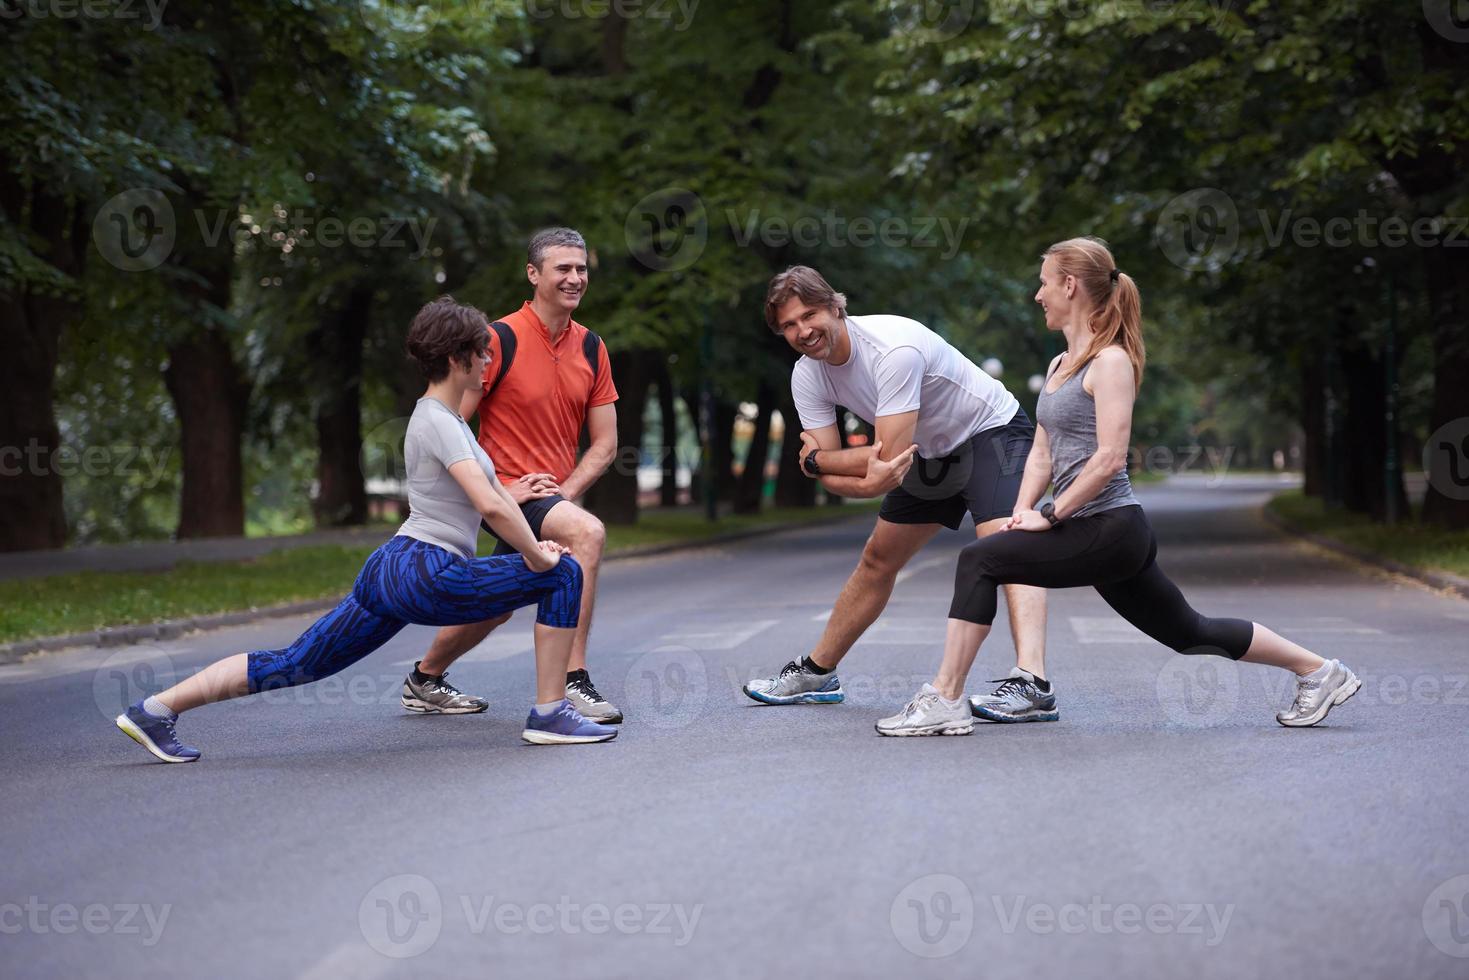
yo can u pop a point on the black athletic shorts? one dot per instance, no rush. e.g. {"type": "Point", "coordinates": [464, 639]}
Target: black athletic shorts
{"type": "Point", "coordinates": [535, 512]}
{"type": "Point", "coordinates": [981, 477]}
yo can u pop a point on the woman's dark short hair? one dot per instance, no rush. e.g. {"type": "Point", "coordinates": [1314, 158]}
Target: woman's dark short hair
{"type": "Point", "coordinates": [445, 330]}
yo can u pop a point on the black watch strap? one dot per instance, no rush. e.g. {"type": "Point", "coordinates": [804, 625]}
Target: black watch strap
{"type": "Point", "coordinates": [810, 465]}
{"type": "Point", "coordinates": [1048, 511]}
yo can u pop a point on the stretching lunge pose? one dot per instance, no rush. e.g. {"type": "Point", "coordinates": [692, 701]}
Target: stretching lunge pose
{"type": "Point", "coordinates": [550, 376]}
{"type": "Point", "coordinates": [427, 573]}
{"type": "Point", "coordinates": [950, 440]}
{"type": "Point", "coordinates": [1094, 532]}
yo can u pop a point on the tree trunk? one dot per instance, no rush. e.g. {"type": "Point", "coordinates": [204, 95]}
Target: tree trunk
{"type": "Point", "coordinates": [614, 498]}
{"type": "Point", "coordinates": [792, 487]}
{"type": "Point", "coordinates": [336, 353]}
{"type": "Point", "coordinates": [209, 397]}
{"type": "Point", "coordinates": [668, 412]}
{"type": "Point", "coordinates": [208, 389]}
{"type": "Point", "coordinates": [1365, 490]}
{"type": "Point", "coordinates": [32, 515]}
{"type": "Point", "coordinates": [751, 489]}
{"type": "Point", "coordinates": [1313, 423]}
{"type": "Point", "coordinates": [722, 448]}
{"type": "Point", "coordinates": [1447, 453]}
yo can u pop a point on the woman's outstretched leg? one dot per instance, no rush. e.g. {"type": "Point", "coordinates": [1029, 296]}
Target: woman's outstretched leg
{"type": "Point", "coordinates": [334, 642]}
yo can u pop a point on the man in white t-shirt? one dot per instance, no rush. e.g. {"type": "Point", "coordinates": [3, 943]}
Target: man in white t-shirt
{"type": "Point", "coordinates": [950, 440]}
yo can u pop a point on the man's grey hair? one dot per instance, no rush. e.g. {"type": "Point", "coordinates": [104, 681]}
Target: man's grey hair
{"type": "Point", "coordinates": [551, 238]}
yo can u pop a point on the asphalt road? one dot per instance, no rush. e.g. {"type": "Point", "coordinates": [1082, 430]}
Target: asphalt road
{"type": "Point", "coordinates": [1164, 827]}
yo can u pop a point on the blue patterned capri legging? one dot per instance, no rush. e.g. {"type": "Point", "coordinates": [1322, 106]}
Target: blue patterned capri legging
{"type": "Point", "coordinates": [411, 581]}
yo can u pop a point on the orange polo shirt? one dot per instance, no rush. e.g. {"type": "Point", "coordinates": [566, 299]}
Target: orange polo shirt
{"type": "Point", "coordinates": [533, 420]}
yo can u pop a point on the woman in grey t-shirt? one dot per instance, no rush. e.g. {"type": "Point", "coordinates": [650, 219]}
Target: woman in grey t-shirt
{"type": "Point", "coordinates": [1094, 533]}
{"type": "Point", "coordinates": [427, 573]}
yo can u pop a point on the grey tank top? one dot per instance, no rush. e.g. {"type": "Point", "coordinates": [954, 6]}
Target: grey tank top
{"type": "Point", "coordinates": [1069, 416]}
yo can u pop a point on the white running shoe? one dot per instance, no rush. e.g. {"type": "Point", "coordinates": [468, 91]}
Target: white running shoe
{"type": "Point", "coordinates": [929, 714]}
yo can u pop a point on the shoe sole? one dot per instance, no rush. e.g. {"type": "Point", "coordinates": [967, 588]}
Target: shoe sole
{"type": "Point", "coordinates": [141, 737]}
{"type": "Point", "coordinates": [810, 697]}
{"type": "Point", "coordinates": [551, 738]}
{"type": "Point", "coordinates": [989, 714]}
{"type": "Point", "coordinates": [1342, 695]}
{"type": "Point", "coordinates": [910, 732]}
{"type": "Point", "coordinates": [424, 708]}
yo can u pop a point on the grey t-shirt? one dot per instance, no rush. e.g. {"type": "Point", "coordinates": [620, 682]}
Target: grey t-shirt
{"type": "Point", "coordinates": [441, 514]}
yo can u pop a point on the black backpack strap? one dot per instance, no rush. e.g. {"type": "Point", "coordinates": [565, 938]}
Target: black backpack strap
{"type": "Point", "coordinates": [589, 346]}
{"type": "Point", "coordinates": [507, 352]}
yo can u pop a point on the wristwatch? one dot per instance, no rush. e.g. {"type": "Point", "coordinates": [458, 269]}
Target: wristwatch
{"type": "Point", "coordinates": [1048, 511]}
{"type": "Point", "coordinates": [810, 465]}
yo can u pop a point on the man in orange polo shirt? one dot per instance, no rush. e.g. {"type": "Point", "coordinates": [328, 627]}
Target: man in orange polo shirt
{"type": "Point", "coordinates": [548, 375]}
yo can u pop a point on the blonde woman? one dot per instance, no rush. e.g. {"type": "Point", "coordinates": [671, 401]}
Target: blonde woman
{"type": "Point", "coordinates": [1094, 532]}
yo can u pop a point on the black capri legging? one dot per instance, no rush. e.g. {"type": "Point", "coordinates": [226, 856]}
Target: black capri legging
{"type": "Point", "coordinates": [1115, 552]}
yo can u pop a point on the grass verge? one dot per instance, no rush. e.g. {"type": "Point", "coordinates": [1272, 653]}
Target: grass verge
{"type": "Point", "coordinates": [85, 601]}
{"type": "Point", "coordinates": [1411, 543]}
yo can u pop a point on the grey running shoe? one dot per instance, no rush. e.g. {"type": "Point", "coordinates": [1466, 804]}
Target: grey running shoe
{"type": "Point", "coordinates": [929, 714]}
{"type": "Point", "coordinates": [436, 696]}
{"type": "Point", "coordinates": [796, 685]}
{"type": "Point", "coordinates": [1016, 699]}
{"type": "Point", "coordinates": [588, 702]}
{"type": "Point", "coordinates": [1315, 698]}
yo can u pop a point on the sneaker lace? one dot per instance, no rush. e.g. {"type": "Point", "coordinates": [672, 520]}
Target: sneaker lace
{"type": "Point", "coordinates": [1008, 685]}
{"type": "Point", "coordinates": [794, 667]}
{"type": "Point", "coordinates": [920, 701]}
{"type": "Point", "coordinates": [1303, 691]}
{"type": "Point", "coordinates": [444, 687]}
{"type": "Point", "coordinates": [583, 686]}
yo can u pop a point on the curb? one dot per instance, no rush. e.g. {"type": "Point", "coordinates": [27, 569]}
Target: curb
{"type": "Point", "coordinates": [1438, 580]}
{"type": "Point", "coordinates": [170, 629]}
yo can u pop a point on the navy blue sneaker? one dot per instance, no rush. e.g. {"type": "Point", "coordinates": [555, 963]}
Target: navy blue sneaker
{"type": "Point", "coordinates": [155, 734]}
{"type": "Point", "coordinates": [564, 726]}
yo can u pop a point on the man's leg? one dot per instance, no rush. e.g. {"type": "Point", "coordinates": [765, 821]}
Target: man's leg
{"type": "Point", "coordinates": [570, 525]}
{"type": "Point", "coordinates": [812, 679]}
{"type": "Point", "coordinates": [866, 594]}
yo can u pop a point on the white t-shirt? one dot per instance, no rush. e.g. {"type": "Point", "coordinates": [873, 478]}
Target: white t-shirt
{"type": "Point", "coordinates": [897, 365]}
{"type": "Point", "coordinates": [439, 510]}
